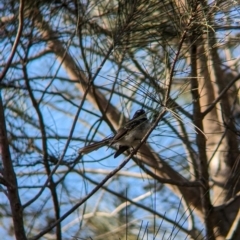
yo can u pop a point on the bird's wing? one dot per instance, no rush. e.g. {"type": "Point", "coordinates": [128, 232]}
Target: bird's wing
{"type": "Point", "coordinates": [130, 125]}
{"type": "Point", "coordinates": [121, 150]}
{"type": "Point", "coordinates": [120, 133]}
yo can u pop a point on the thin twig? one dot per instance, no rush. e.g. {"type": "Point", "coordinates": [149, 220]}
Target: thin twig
{"type": "Point", "coordinates": [65, 215]}
{"type": "Point", "coordinates": [220, 96]}
{"type": "Point", "coordinates": [16, 42]}
{"type": "Point", "coordinates": [170, 79]}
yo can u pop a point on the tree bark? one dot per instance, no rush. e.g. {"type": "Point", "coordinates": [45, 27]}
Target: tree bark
{"type": "Point", "coordinates": [10, 179]}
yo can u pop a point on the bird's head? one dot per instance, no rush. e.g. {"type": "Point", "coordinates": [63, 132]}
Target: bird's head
{"type": "Point", "coordinates": [138, 113]}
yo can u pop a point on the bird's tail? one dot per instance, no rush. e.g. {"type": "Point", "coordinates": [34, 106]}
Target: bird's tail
{"type": "Point", "coordinates": [95, 146]}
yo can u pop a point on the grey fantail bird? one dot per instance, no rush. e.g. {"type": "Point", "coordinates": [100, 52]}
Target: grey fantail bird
{"type": "Point", "coordinates": [128, 136]}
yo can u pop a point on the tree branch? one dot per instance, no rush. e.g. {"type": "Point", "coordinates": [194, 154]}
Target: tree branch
{"type": "Point", "coordinates": [19, 33]}
{"type": "Point", "coordinates": [10, 179]}
{"type": "Point", "coordinates": [201, 144]}
{"type": "Point", "coordinates": [220, 96]}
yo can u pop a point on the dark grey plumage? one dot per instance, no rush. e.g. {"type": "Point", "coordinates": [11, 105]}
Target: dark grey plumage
{"type": "Point", "coordinates": [128, 136]}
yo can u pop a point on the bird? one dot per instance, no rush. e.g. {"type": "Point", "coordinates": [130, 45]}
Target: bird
{"type": "Point", "coordinates": [128, 136]}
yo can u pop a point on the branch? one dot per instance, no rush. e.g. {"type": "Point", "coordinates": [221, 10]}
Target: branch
{"type": "Point", "coordinates": [10, 179]}
{"type": "Point", "coordinates": [52, 185]}
{"type": "Point", "coordinates": [142, 206]}
{"type": "Point", "coordinates": [228, 203]}
{"type": "Point", "coordinates": [234, 232]}
{"type": "Point", "coordinates": [201, 144]}
{"type": "Point", "coordinates": [111, 174]}
{"type": "Point", "coordinates": [19, 33]}
{"type": "Point", "coordinates": [171, 181]}
{"type": "Point", "coordinates": [220, 96]}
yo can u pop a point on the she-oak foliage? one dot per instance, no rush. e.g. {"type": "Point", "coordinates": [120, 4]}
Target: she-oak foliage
{"type": "Point", "coordinates": [72, 72]}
